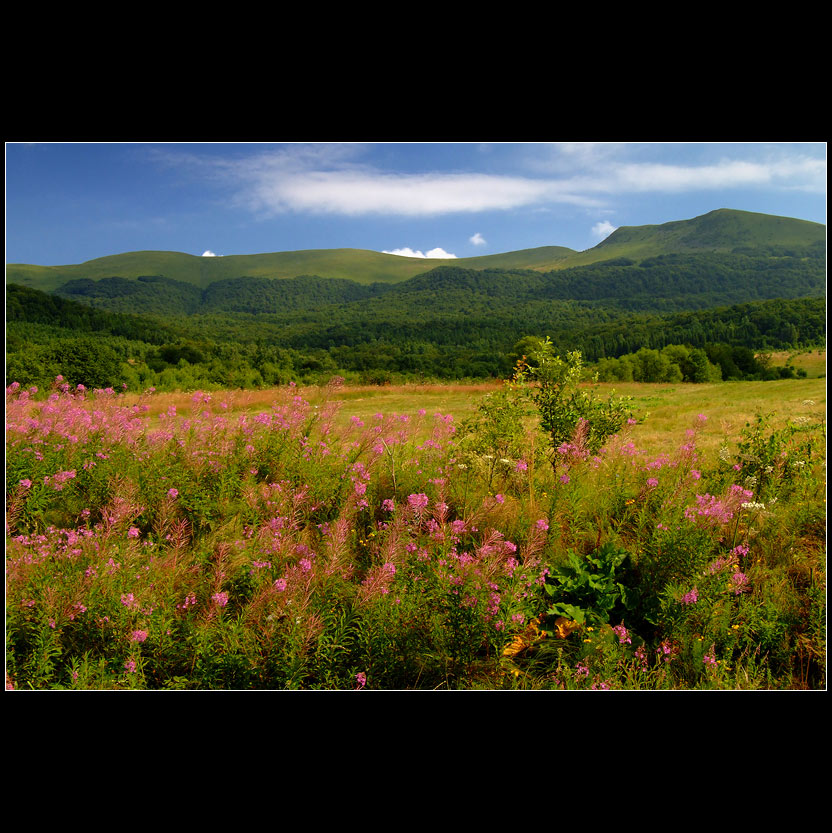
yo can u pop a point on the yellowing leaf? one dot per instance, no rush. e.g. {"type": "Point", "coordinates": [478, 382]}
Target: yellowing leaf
{"type": "Point", "coordinates": [564, 626]}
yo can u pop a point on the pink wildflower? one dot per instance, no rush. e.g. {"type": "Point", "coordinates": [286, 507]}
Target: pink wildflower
{"type": "Point", "coordinates": [173, 493]}
{"type": "Point", "coordinates": [622, 634]}
{"type": "Point", "coordinates": [220, 598]}
{"type": "Point", "coordinates": [667, 650]}
{"type": "Point", "coordinates": [710, 510]}
{"type": "Point", "coordinates": [542, 524]}
{"type": "Point", "coordinates": [138, 636]}
{"type": "Point", "coordinates": [740, 583]}
{"type": "Point", "coordinates": [130, 666]}
{"type": "Point", "coordinates": [691, 597]}
{"type": "Point", "coordinates": [361, 679]}
{"type": "Point", "coordinates": [418, 502]}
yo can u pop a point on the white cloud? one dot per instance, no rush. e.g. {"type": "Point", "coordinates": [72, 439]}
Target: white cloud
{"type": "Point", "coordinates": [432, 253]}
{"type": "Point", "coordinates": [603, 229]}
{"type": "Point", "coordinates": [613, 178]}
{"type": "Point", "coordinates": [335, 179]}
{"type": "Point", "coordinates": [477, 239]}
{"type": "Point", "coordinates": [355, 193]}
{"type": "Point", "coordinates": [208, 253]}
{"type": "Point", "coordinates": [326, 179]}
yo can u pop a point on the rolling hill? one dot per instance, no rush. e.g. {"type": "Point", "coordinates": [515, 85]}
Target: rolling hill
{"type": "Point", "coordinates": [723, 230]}
{"type": "Point", "coordinates": [358, 265]}
{"type": "Point", "coordinates": [720, 231]}
{"type": "Point", "coordinates": [726, 282]}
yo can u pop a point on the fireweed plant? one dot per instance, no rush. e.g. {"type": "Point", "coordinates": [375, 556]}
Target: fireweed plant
{"type": "Point", "coordinates": [286, 549]}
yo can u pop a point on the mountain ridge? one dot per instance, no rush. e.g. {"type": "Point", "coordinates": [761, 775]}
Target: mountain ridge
{"type": "Point", "coordinates": [720, 230]}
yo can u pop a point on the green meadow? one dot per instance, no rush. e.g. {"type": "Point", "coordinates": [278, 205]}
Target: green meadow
{"type": "Point", "coordinates": [419, 537]}
{"type": "Point", "coordinates": [662, 407]}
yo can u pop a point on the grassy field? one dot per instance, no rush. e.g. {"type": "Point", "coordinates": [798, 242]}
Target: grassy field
{"type": "Point", "coordinates": [812, 361]}
{"type": "Point", "coordinates": [661, 408]}
{"type": "Point", "coordinates": [324, 539]}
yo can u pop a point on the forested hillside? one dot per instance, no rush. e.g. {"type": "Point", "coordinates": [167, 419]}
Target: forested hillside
{"type": "Point", "coordinates": [720, 286]}
{"type": "Point", "coordinates": [660, 284]}
{"type": "Point", "coordinates": [47, 335]}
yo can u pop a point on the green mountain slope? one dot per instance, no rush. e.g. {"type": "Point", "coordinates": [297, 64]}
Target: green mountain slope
{"type": "Point", "coordinates": [358, 265]}
{"type": "Point", "coordinates": [724, 230]}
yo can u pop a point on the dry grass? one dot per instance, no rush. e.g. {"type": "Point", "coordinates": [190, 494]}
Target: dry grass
{"type": "Point", "coordinates": [728, 406]}
{"type": "Point", "coordinates": [812, 361]}
{"type": "Point", "coordinates": [671, 408]}
{"type": "Point", "coordinates": [358, 400]}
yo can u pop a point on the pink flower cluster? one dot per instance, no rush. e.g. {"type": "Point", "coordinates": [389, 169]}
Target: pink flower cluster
{"type": "Point", "coordinates": [740, 583]}
{"type": "Point", "coordinates": [59, 479]}
{"type": "Point", "coordinates": [418, 502]}
{"type": "Point", "coordinates": [714, 511]}
{"type": "Point", "coordinates": [622, 634]}
{"type": "Point", "coordinates": [691, 597]}
{"type": "Point", "coordinates": [710, 509]}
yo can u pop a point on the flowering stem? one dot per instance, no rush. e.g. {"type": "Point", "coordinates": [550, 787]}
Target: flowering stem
{"type": "Point", "coordinates": [392, 465]}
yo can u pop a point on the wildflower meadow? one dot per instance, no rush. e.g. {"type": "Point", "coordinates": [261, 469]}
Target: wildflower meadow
{"type": "Point", "coordinates": [531, 544]}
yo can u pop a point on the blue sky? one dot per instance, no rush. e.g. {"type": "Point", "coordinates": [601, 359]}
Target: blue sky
{"type": "Point", "coordinates": [71, 202]}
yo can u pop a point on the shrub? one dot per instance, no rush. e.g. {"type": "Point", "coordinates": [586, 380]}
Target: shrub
{"type": "Point", "coordinates": [553, 384]}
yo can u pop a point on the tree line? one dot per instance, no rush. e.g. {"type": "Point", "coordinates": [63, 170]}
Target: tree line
{"type": "Point", "coordinates": [47, 335]}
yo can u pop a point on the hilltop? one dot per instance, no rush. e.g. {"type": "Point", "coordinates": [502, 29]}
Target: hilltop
{"type": "Point", "coordinates": [724, 230]}
{"type": "Point", "coordinates": [720, 231]}
{"type": "Point", "coordinates": [357, 265]}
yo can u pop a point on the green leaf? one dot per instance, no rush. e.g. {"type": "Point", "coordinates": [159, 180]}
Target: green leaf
{"type": "Point", "coordinates": [570, 611]}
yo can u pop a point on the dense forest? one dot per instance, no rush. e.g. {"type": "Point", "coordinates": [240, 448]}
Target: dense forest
{"type": "Point", "coordinates": [459, 333]}
{"type": "Point", "coordinates": [687, 316]}
{"type": "Point", "coordinates": [665, 283]}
